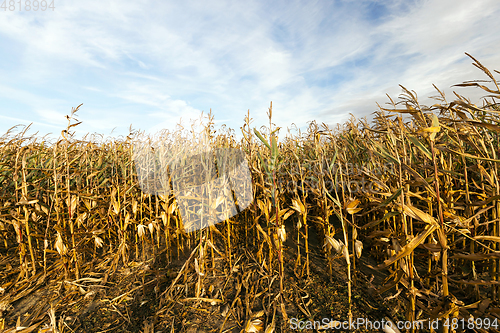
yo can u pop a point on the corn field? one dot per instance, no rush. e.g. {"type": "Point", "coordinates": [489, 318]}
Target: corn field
{"type": "Point", "coordinates": [412, 198]}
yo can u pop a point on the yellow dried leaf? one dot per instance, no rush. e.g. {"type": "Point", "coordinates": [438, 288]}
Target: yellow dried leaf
{"type": "Point", "coordinates": [98, 241]}
{"type": "Point", "coordinates": [268, 239]}
{"type": "Point", "coordinates": [270, 328]}
{"type": "Point", "coordinates": [282, 233]}
{"type": "Point", "coordinates": [127, 221]}
{"type": "Point", "coordinates": [351, 207]}
{"type": "Point", "coordinates": [332, 243]}
{"type": "Point", "coordinates": [60, 247]}
{"type": "Point", "coordinates": [286, 213]}
{"type": "Point", "coordinates": [140, 230]}
{"type": "Point", "coordinates": [298, 206]}
{"type": "Point", "coordinates": [358, 247]}
{"type": "Point", "coordinates": [345, 251]}
{"type": "Point", "coordinates": [488, 238]}
{"type": "Point", "coordinates": [353, 203]}
{"type": "Point", "coordinates": [408, 248]}
{"type": "Point", "coordinates": [255, 325]}
{"type": "Point", "coordinates": [197, 267]}
{"type": "Point", "coordinates": [417, 214]}
{"type": "Point", "coordinates": [218, 202]}
{"type": "Point", "coordinates": [432, 129]}
{"type": "Point", "coordinates": [134, 206]}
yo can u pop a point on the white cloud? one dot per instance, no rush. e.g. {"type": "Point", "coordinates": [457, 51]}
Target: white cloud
{"type": "Point", "coordinates": [52, 116]}
{"type": "Point", "coordinates": [151, 63]}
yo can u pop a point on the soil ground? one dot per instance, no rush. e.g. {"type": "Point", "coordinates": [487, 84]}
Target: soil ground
{"type": "Point", "coordinates": [155, 295]}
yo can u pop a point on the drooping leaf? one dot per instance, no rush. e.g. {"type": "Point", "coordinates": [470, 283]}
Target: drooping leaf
{"type": "Point", "coordinates": [358, 248]}
{"type": "Point", "coordinates": [384, 153]}
{"type": "Point", "coordinates": [351, 207]}
{"type": "Point", "coordinates": [417, 214]}
{"type": "Point", "coordinates": [420, 146]}
{"type": "Point", "coordinates": [264, 141]}
{"type": "Point", "coordinates": [408, 248]}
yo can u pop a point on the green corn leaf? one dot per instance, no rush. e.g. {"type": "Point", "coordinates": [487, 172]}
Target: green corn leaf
{"type": "Point", "coordinates": [263, 164]}
{"type": "Point", "coordinates": [335, 201]}
{"type": "Point", "coordinates": [264, 141]}
{"type": "Point", "coordinates": [420, 146]}
{"type": "Point", "coordinates": [391, 198]}
{"type": "Point", "coordinates": [385, 202]}
{"type": "Point", "coordinates": [377, 222]}
{"type": "Point", "coordinates": [333, 160]}
{"type": "Point", "coordinates": [384, 153]}
{"type": "Point", "coordinates": [274, 148]}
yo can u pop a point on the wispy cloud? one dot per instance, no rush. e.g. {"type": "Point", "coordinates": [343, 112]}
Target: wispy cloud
{"type": "Point", "coordinates": [152, 63]}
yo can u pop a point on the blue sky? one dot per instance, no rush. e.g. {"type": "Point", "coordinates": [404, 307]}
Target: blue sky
{"type": "Point", "coordinates": [150, 63]}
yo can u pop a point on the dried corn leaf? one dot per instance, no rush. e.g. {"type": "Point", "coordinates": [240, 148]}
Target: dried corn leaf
{"type": "Point", "coordinates": [408, 248]}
